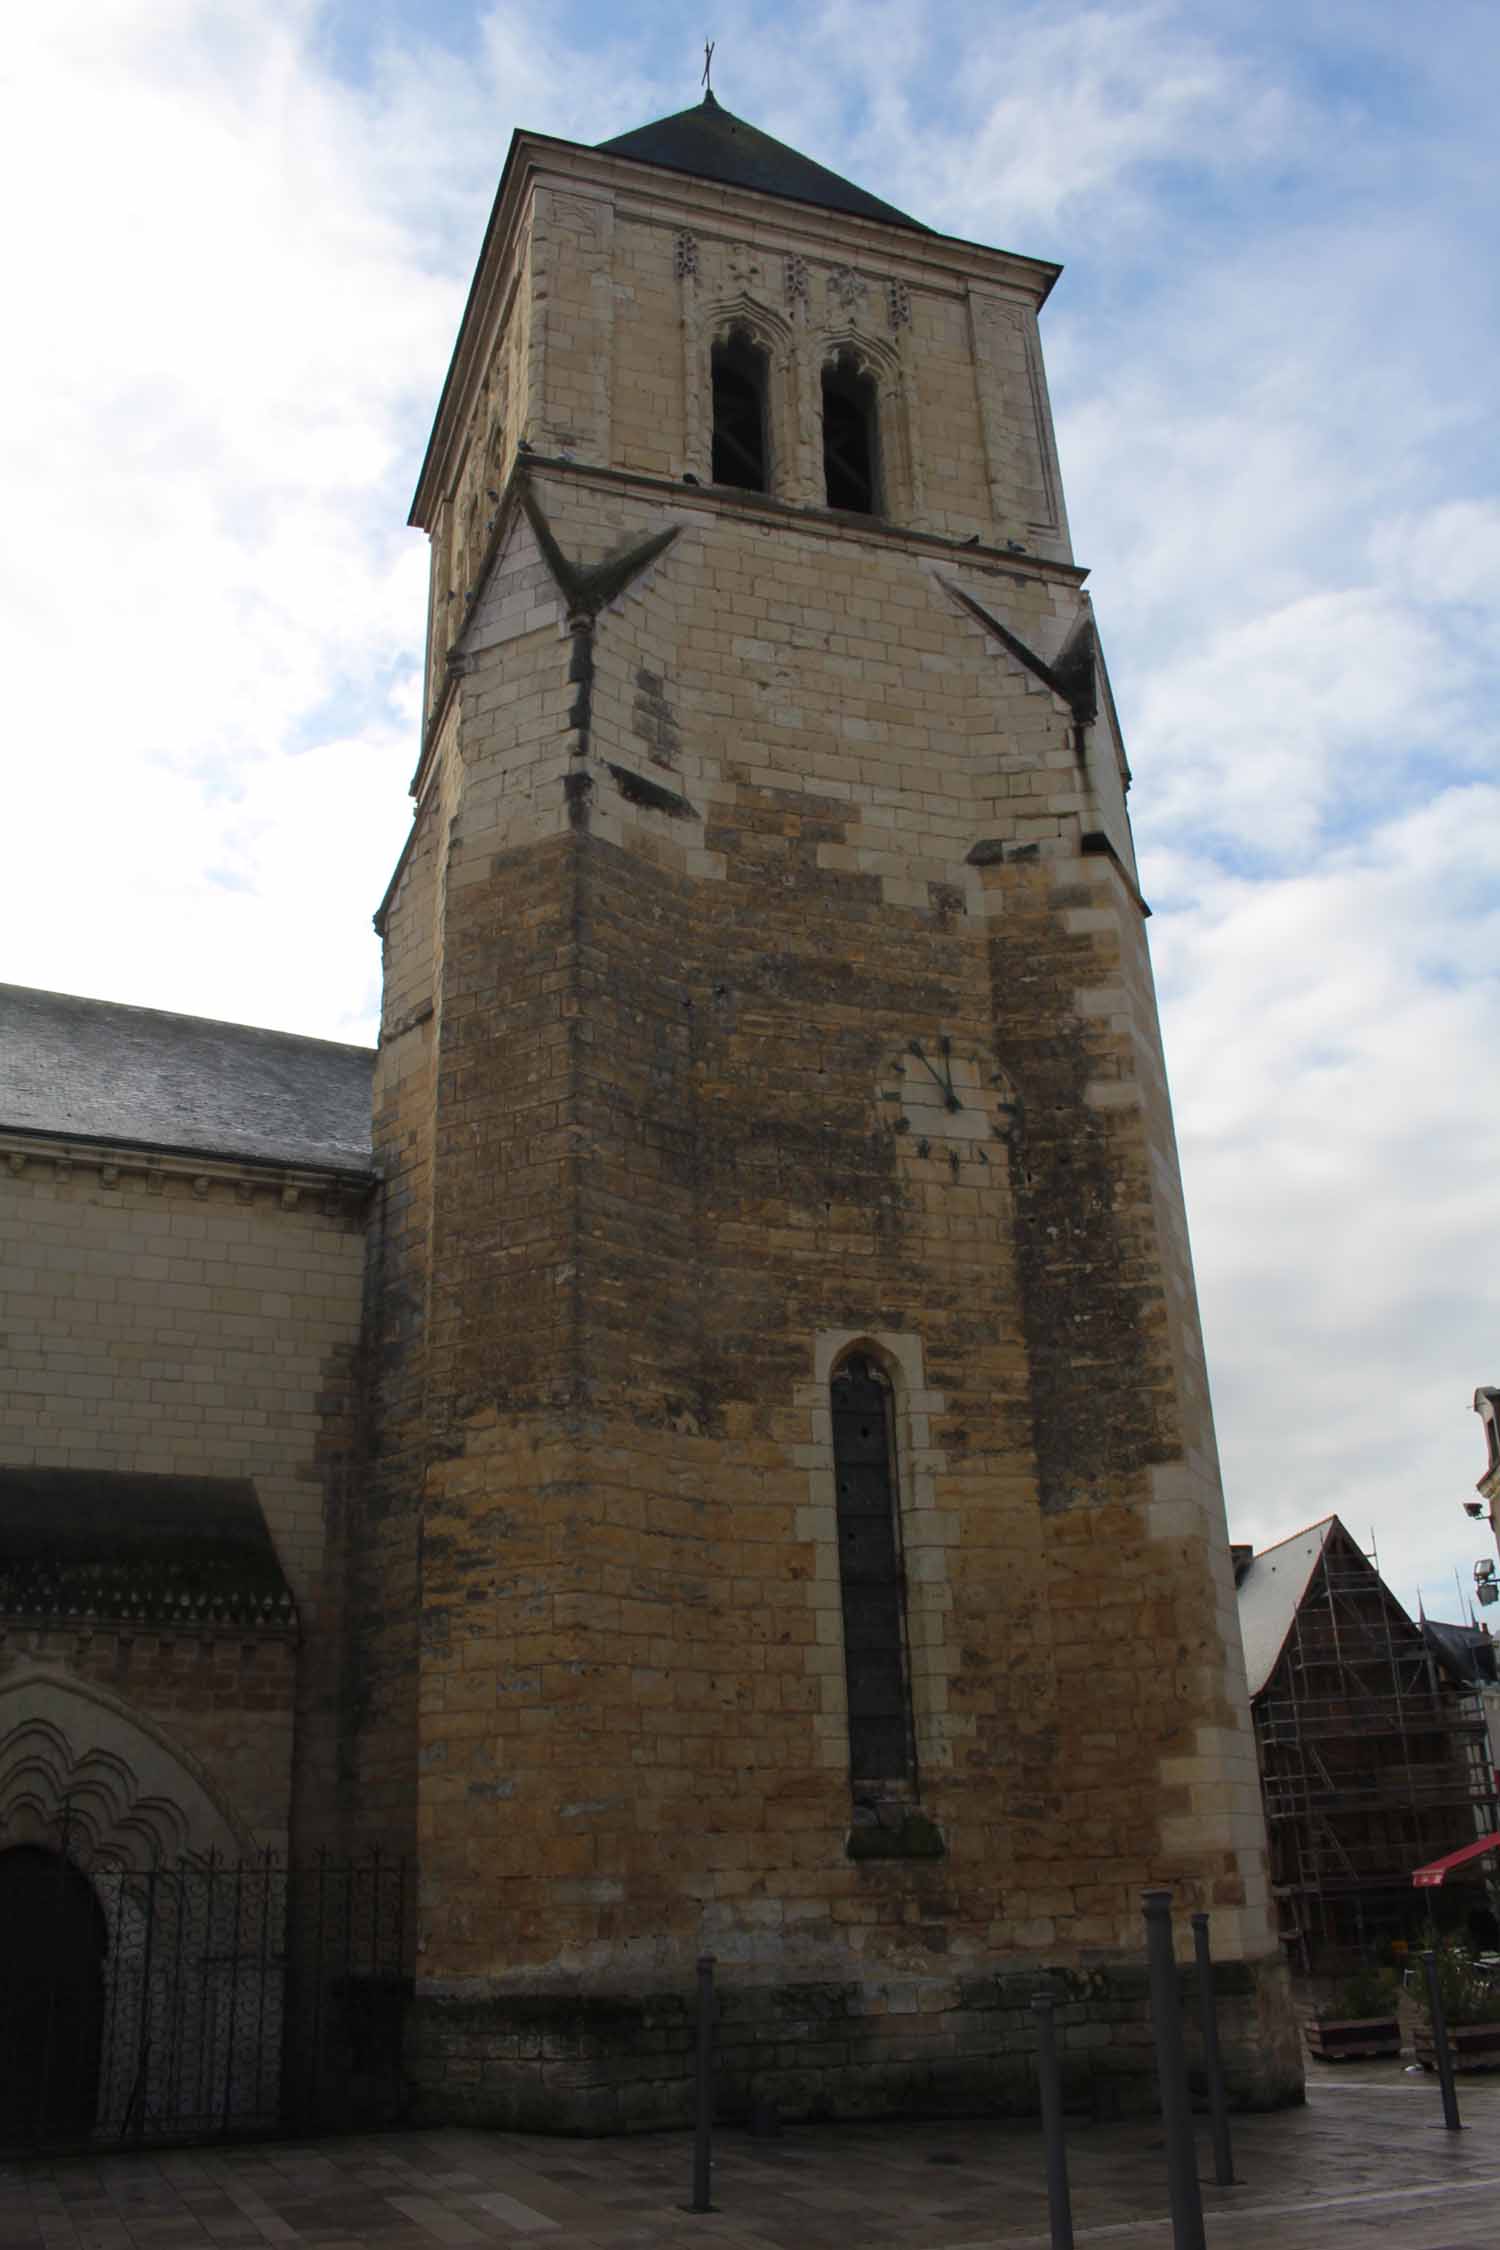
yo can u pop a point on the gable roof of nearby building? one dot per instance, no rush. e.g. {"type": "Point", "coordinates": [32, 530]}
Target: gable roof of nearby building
{"type": "Point", "coordinates": [76, 1069]}
{"type": "Point", "coordinates": [1269, 1592]}
{"type": "Point", "coordinates": [713, 144]}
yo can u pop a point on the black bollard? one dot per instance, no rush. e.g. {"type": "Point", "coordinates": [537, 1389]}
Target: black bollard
{"type": "Point", "coordinates": [1208, 2018]}
{"type": "Point", "coordinates": [1171, 2068]}
{"type": "Point", "coordinates": [1049, 2082]}
{"type": "Point", "coordinates": [1441, 2048]}
{"type": "Point", "coordinates": [703, 2114]}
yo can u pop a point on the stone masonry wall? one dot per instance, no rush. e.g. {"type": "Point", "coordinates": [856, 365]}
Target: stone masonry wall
{"type": "Point", "coordinates": [935, 2046]}
{"type": "Point", "coordinates": [670, 1182]}
{"type": "Point", "coordinates": [194, 1320]}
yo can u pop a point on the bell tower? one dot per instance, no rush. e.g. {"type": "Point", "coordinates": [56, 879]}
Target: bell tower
{"type": "Point", "coordinates": [794, 1530]}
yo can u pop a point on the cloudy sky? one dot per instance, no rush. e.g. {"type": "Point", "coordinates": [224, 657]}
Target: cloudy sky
{"type": "Point", "coordinates": [241, 234]}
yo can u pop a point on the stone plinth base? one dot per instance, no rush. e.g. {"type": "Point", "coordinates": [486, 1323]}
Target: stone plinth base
{"type": "Point", "coordinates": [941, 2047]}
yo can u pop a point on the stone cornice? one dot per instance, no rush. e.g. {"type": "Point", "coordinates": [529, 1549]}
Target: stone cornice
{"type": "Point", "coordinates": [827, 523]}
{"type": "Point", "coordinates": [120, 1162]}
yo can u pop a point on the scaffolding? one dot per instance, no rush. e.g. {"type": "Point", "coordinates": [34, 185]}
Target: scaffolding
{"type": "Point", "coordinates": [1370, 1766]}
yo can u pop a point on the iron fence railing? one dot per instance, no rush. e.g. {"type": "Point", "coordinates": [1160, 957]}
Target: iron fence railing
{"type": "Point", "coordinates": [204, 2000]}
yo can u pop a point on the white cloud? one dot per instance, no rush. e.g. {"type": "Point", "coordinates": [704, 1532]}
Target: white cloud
{"type": "Point", "coordinates": [1331, 1037]}
{"type": "Point", "coordinates": [242, 291]}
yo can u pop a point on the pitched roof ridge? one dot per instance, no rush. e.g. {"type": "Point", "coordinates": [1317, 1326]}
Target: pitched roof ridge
{"type": "Point", "coordinates": [1319, 1523]}
{"type": "Point", "coordinates": [117, 1008]}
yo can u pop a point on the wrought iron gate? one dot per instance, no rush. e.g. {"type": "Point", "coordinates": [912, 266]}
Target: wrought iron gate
{"type": "Point", "coordinates": [198, 2001]}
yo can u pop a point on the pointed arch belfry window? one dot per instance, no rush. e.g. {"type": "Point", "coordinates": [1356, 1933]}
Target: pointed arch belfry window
{"type": "Point", "coordinates": [741, 441]}
{"type": "Point", "coordinates": [851, 452]}
{"type": "Point", "coordinates": [871, 1580]}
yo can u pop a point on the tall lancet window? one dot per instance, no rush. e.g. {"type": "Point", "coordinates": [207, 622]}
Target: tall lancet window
{"type": "Point", "coordinates": [850, 452]}
{"type": "Point", "coordinates": [741, 450]}
{"type": "Point", "coordinates": [870, 1575]}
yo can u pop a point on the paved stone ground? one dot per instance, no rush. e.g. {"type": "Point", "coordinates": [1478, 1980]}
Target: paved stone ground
{"type": "Point", "coordinates": [1366, 2166]}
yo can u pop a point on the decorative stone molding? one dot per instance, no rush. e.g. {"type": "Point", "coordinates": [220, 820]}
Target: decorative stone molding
{"type": "Point", "coordinates": [28, 1154]}
{"type": "Point", "coordinates": [900, 467]}
{"type": "Point", "coordinates": [847, 287]}
{"type": "Point", "coordinates": [685, 257]}
{"type": "Point", "coordinates": [1025, 488]}
{"type": "Point", "coordinates": [713, 323]}
{"type": "Point", "coordinates": [77, 1765]}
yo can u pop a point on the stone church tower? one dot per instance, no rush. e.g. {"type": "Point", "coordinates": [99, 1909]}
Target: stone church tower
{"type": "Point", "coordinates": [794, 1528]}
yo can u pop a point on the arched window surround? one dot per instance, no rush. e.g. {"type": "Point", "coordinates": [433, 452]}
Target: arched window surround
{"type": "Point", "coordinates": [872, 1576]}
{"type": "Point", "coordinates": [766, 332]}
{"type": "Point", "coordinates": [852, 466]}
{"type": "Point", "coordinates": [927, 1532]}
{"type": "Point", "coordinates": [740, 382]}
{"type": "Point", "coordinates": [897, 498]}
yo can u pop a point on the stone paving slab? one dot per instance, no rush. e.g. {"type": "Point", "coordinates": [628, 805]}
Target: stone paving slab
{"type": "Point", "coordinates": [1365, 2166]}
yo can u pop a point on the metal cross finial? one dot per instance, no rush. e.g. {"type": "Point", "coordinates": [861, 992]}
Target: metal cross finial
{"type": "Point", "coordinates": [707, 81]}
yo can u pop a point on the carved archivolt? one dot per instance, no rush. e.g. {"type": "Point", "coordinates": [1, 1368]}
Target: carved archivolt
{"type": "Point", "coordinates": [77, 1765]}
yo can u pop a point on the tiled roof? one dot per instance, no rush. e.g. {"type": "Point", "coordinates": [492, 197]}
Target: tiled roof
{"type": "Point", "coordinates": [713, 144]}
{"type": "Point", "coordinates": [94, 1070]}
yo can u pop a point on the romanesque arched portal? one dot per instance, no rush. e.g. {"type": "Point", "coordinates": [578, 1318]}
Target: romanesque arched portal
{"type": "Point", "coordinates": [53, 1942]}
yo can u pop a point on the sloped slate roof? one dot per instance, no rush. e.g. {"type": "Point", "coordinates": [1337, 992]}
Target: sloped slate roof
{"type": "Point", "coordinates": [87, 1543]}
{"type": "Point", "coordinates": [713, 144]}
{"type": "Point", "coordinates": [94, 1070]}
{"type": "Point", "coordinates": [1468, 1653]}
{"type": "Point", "coordinates": [1269, 1593]}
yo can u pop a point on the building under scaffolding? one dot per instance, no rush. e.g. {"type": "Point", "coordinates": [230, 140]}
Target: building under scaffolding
{"type": "Point", "coordinates": [1373, 1759]}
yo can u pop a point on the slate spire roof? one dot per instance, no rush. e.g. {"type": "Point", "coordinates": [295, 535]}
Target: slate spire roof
{"type": "Point", "coordinates": [713, 144]}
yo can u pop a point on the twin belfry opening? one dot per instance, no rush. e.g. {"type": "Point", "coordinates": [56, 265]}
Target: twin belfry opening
{"type": "Point", "coordinates": [770, 1507]}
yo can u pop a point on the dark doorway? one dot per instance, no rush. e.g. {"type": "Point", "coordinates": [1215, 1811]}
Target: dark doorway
{"type": "Point", "coordinates": [52, 1946]}
{"type": "Point", "coordinates": [740, 449]}
{"type": "Point", "coordinates": [871, 1580]}
{"type": "Point", "coordinates": [849, 449]}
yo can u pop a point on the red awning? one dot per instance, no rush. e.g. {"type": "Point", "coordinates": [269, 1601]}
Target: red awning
{"type": "Point", "coordinates": [1429, 1877]}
